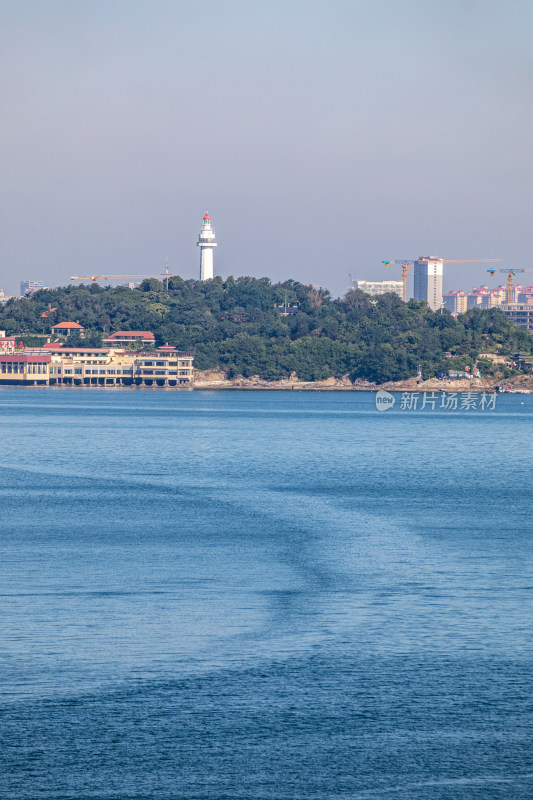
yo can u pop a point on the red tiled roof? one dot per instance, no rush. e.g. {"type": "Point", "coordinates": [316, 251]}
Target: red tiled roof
{"type": "Point", "coordinates": [68, 325]}
{"type": "Point", "coordinates": [25, 359]}
{"type": "Point", "coordinates": [86, 349]}
{"type": "Point", "coordinates": [136, 334]}
{"type": "Point", "coordinates": [53, 346]}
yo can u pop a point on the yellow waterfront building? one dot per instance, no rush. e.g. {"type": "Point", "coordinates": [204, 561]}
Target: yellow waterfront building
{"type": "Point", "coordinates": [99, 366]}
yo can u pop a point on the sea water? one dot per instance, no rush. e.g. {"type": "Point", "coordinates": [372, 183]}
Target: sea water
{"type": "Point", "coordinates": [264, 595]}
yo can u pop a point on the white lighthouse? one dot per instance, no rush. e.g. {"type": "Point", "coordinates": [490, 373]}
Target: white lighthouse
{"type": "Point", "coordinates": [206, 243]}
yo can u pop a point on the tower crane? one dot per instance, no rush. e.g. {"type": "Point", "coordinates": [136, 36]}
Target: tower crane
{"type": "Point", "coordinates": [96, 278]}
{"type": "Point", "coordinates": [407, 263]}
{"type": "Point", "coordinates": [405, 268]}
{"type": "Point", "coordinates": [510, 280]}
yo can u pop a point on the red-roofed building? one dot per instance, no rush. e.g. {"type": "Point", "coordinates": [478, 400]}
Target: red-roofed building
{"type": "Point", "coordinates": [22, 368]}
{"type": "Point", "coordinates": [125, 338]}
{"type": "Point", "coordinates": [66, 328]}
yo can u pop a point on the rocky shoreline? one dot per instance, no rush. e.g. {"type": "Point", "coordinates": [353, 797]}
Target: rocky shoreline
{"type": "Point", "coordinates": [217, 379]}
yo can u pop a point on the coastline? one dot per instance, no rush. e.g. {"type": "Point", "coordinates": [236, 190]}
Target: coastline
{"type": "Point", "coordinates": [218, 380]}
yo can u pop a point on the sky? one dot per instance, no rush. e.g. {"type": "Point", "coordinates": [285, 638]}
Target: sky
{"type": "Point", "coordinates": [322, 135]}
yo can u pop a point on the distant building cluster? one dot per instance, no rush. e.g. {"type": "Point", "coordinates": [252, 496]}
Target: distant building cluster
{"type": "Point", "coordinates": [519, 311]}
{"type": "Point", "coordinates": [458, 301]}
{"type": "Point", "coordinates": [515, 300]}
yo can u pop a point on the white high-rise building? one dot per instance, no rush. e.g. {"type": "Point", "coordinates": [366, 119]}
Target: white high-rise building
{"type": "Point", "coordinates": [376, 288]}
{"type": "Point", "coordinates": [206, 243]}
{"type": "Point", "coordinates": [428, 281]}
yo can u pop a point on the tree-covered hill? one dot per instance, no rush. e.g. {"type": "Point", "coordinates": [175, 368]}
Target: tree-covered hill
{"type": "Point", "coordinates": [236, 324]}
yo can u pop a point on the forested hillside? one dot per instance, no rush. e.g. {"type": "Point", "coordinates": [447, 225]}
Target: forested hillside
{"type": "Point", "coordinates": [236, 324]}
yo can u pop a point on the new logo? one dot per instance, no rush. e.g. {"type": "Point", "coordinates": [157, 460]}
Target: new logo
{"type": "Point", "coordinates": [384, 400]}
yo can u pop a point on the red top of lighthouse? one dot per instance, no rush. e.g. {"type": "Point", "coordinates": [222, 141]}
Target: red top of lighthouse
{"type": "Point", "coordinates": [207, 215]}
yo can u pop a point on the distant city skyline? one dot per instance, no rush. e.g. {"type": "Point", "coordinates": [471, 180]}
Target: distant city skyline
{"type": "Point", "coordinates": [322, 137]}
{"type": "Point", "coordinates": [369, 287]}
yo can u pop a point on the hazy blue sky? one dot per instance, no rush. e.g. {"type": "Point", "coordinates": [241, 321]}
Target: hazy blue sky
{"type": "Point", "coordinates": [321, 136]}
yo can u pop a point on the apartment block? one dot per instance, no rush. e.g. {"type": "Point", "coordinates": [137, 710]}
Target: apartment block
{"type": "Point", "coordinates": [519, 313]}
{"type": "Point", "coordinates": [456, 302]}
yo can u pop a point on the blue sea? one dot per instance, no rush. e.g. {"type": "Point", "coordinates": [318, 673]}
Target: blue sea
{"type": "Point", "coordinates": [264, 596]}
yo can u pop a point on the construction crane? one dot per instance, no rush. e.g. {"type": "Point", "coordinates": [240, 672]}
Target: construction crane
{"type": "Point", "coordinates": [406, 263]}
{"type": "Point", "coordinates": [510, 280]}
{"type": "Point", "coordinates": [96, 278]}
{"type": "Point", "coordinates": [405, 268]}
